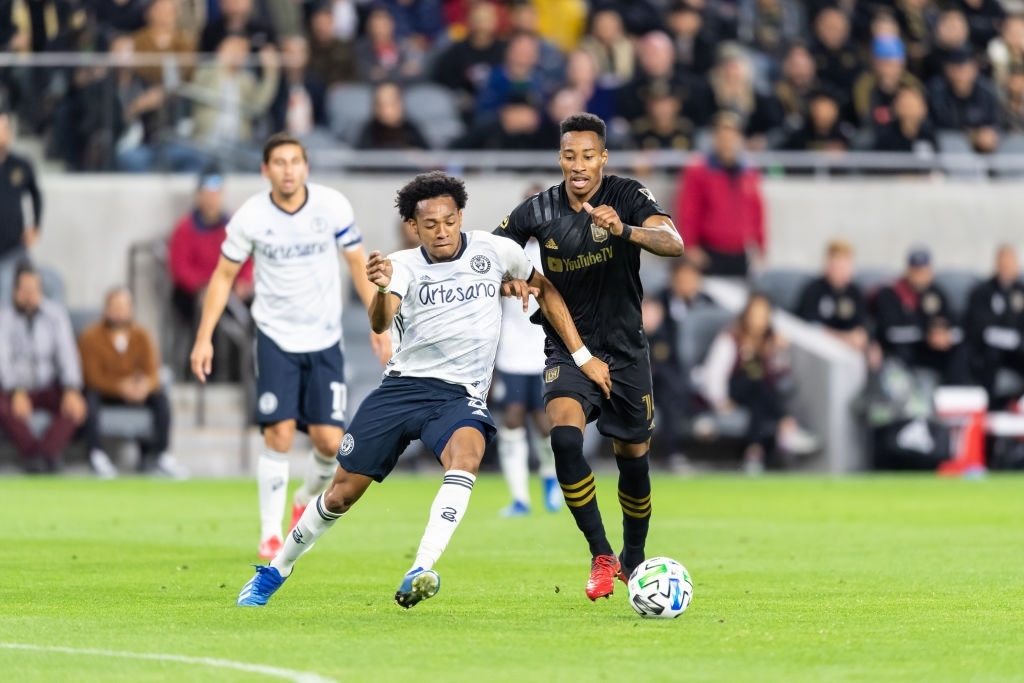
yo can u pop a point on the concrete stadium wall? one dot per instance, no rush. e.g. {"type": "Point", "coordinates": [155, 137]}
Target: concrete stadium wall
{"type": "Point", "coordinates": [90, 221]}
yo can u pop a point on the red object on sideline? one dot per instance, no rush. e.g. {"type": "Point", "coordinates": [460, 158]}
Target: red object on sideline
{"type": "Point", "coordinates": [720, 210]}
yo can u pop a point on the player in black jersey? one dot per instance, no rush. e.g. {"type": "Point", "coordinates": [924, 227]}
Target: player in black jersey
{"type": "Point", "coordinates": [591, 228]}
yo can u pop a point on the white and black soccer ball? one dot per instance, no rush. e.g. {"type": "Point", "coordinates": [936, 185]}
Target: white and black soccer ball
{"type": "Point", "coordinates": [660, 588]}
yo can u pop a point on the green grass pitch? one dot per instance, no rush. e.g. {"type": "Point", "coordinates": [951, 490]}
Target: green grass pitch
{"type": "Point", "coordinates": [796, 579]}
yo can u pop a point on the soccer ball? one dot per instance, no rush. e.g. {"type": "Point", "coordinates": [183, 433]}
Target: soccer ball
{"type": "Point", "coordinates": [660, 587]}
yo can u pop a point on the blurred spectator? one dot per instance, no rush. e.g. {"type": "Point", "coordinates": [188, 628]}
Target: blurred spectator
{"type": "Point", "coordinates": [964, 100]}
{"type": "Point", "coordinates": [951, 36]}
{"type": "Point", "coordinates": [875, 90]}
{"type": "Point", "coordinates": [914, 322]}
{"type": "Point", "coordinates": [299, 105]}
{"type": "Point", "coordinates": [194, 249]}
{"type": "Point", "coordinates": [722, 17]}
{"type": "Point", "coordinates": [1011, 100]}
{"type": "Point", "coordinates": [916, 20]}
{"type": "Point", "coordinates": [286, 17]}
{"type": "Point", "coordinates": [563, 104]}
{"type": "Point", "coordinates": [551, 60]}
{"type": "Point", "coordinates": [517, 75]}
{"type": "Point", "coordinates": [346, 19]}
{"type": "Point", "coordinates": [694, 47]}
{"type": "Point", "coordinates": [675, 398]}
{"type": "Point", "coordinates": [581, 75]}
{"type": "Point", "coordinates": [833, 50]}
{"type": "Point", "coordinates": [17, 178]}
{"type": "Point", "coordinates": [389, 128]}
{"type": "Point", "coordinates": [1008, 49]}
{"type": "Point", "coordinates": [910, 130]}
{"type": "Point", "coordinates": [833, 301]}
{"type": "Point", "coordinates": [608, 43]}
{"type": "Point", "coordinates": [663, 126]}
{"type": "Point", "coordinates": [417, 21]}
{"type": "Point", "coordinates": [657, 73]}
{"type": "Point", "coordinates": [233, 94]}
{"type": "Point", "coordinates": [121, 366]}
{"type": "Point", "coordinates": [465, 66]}
{"type": "Point", "coordinates": [732, 85]}
{"type": "Point", "coordinates": [331, 59]}
{"type": "Point", "coordinates": [748, 367]}
{"type": "Point", "coordinates": [560, 21]}
{"type": "Point", "coordinates": [115, 17]}
{"type": "Point", "coordinates": [237, 17]}
{"type": "Point", "coordinates": [382, 56]}
{"type": "Point", "coordinates": [823, 130]}
{"type": "Point", "coordinates": [793, 90]}
{"type": "Point", "coordinates": [517, 126]}
{"type": "Point", "coordinates": [160, 35]}
{"type": "Point", "coordinates": [766, 27]}
{"type": "Point", "coordinates": [719, 206]}
{"type": "Point", "coordinates": [994, 324]}
{"type": "Point", "coordinates": [39, 371]}
{"type": "Point", "coordinates": [983, 19]}
{"type": "Point", "coordinates": [638, 16]}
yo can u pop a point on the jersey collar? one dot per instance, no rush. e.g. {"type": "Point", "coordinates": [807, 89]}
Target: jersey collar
{"type": "Point", "coordinates": [564, 196]}
{"type": "Point", "coordinates": [286, 211]}
{"type": "Point", "coordinates": [462, 250]}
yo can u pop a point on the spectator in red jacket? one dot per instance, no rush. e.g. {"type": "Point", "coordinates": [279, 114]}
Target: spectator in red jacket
{"type": "Point", "coordinates": [719, 206]}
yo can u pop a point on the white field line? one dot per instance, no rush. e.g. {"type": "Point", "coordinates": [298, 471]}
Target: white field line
{"type": "Point", "coordinates": [276, 672]}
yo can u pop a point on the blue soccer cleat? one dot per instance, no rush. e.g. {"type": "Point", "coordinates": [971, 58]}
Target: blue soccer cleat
{"type": "Point", "coordinates": [515, 509]}
{"type": "Point", "coordinates": [418, 584]}
{"type": "Point", "coordinates": [260, 587]}
{"type": "Point", "coordinates": [552, 494]}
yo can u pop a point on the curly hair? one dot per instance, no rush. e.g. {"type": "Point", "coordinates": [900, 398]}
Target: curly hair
{"type": "Point", "coordinates": [428, 186]}
{"type": "Point", "coordinates": [582, 123]}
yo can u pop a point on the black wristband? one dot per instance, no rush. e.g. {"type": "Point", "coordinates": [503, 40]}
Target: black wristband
{"type": "Point", "coordinates": [627, 230]}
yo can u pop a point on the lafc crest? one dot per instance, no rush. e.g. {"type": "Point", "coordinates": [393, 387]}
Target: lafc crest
{"type": "Point", "coordinates": [551, 374]}
{"type": "Point", "coordinates": [599, 234]}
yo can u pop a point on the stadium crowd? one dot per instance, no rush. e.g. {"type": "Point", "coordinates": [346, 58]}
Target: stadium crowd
{"type": "Point", "coordinates": [889, 75]}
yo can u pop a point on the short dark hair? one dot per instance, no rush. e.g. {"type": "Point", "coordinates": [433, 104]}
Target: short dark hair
{"type": "Point", "coordinates": [428, 186]}
{"type": "Point", "coordinates": [584, 122]}
{"type": "Point", "coordinates": [280, 140]}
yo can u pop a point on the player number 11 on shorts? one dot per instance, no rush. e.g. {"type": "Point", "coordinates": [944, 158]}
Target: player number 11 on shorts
{"type": "Point", "coordinates": [648, 400]}
{"type": "Point", "coordinates": [338, 396]}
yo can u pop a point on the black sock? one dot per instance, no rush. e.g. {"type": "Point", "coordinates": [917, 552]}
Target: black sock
{"type": "Point", "coordinates": [635, 499]}
{"type": "Point", "coordinates": [577, 482]}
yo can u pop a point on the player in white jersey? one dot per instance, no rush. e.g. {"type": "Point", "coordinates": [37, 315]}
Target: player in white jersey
{"type": "Point", "coordinates": [520, 392]}
{"type": "Point", "coordinates": [293, 234]}
{"type": "Point", "coordinates": [444, 300]}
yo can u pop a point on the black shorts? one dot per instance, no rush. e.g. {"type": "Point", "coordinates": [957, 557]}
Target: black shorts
{"type": "Point", "coordinates": [516, 389]}
{"type": "Point", "coordinates": [306, 387]}
{"type": "Point", "coordinates": [627, 416]}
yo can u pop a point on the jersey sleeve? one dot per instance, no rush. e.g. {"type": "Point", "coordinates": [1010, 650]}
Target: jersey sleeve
{"type": "Point", "coordinates": [401, 277]}
{"type": "Point", "coordinates": [638, 204]}
{"type": "Point", "coordinates": [346, 233]}
{"type": "Point", "coordinates": [518, 226]}
{"type": "Point", "coordinates": [514, 260]}
{"type": "Point", "coordinates": [238, 243]}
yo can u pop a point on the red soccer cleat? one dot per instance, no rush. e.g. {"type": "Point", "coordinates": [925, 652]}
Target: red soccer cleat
{"type": "Point", "coordinates": [624, 572]}
{"type": "Point", "coordinates": [602, 576]}
{"type": "Point", "coordinates": [270, 547]}
{"type": "Point", "coordinates": [297, 511]}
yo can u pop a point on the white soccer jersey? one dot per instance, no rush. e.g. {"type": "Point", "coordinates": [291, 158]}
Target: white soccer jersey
{"type": "Point", "coordinates": [450, 315]}
{"type": "Point", "coordinates": [521, 349]}
{"type": "Point", "coordinates": [295, 258]}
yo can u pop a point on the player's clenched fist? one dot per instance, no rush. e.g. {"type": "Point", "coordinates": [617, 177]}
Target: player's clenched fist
{"type": "Point", "coordinates": [605, 217]}
{"type": "Point", "coordinates": [379, 269]}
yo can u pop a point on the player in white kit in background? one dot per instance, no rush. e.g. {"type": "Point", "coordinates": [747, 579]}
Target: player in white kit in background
{"type": "Point", "coordinates": [520, 392]}
{"type": "Point", "coordinates": [294, 233]}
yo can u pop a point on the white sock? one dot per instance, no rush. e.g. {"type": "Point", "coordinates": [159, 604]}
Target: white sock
{"type": "Point", "coordinates": [514, 455]}
{"type": "Point", "coordinates": [445, 514]}
{"type": "Point", "coordinates": [319, 474]}
{"type": "Point", "coordinates": [545, 454]}
{"type": "Point", "coordinates": [272, 483]}
{"type": "Point", "coordinates": [315, 521]}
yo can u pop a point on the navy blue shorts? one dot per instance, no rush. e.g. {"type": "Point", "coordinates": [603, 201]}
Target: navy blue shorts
{"type": "Point", "coordinates": [402, 409]}
{"type": "Point", "coordinates": [306, 387]}
{"type": "Point", "coordinates": [523, 390]}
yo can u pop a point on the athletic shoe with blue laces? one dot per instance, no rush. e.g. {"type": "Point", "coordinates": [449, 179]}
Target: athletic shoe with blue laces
{"type": "Point", "coordinates": [418, 584]}
{"type": "Point", "coordinates": [552, 494]}
{"type": "Point", "coordinates": [260, 587]}
{"type": "Point", "coordinates": [515, 509]}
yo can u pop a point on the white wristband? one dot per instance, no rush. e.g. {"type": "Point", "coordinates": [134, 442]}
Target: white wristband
{"type": "Point", "coordinates": [581, 356]}
{"type": "Point", "coordinates": [383, 290]}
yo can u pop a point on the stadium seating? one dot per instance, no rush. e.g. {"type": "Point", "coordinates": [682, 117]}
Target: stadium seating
{"type": "Point", "coordinates": [432, 108]}
{"type": "Point", "coordinates": [349, 107]}
{"type": "Point", "coordinates": [782, 286]}
{"type": "Point", "coordinates": [957, 285]}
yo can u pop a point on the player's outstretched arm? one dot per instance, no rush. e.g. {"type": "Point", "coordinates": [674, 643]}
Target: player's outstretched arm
{"type": "Point", "coordinates": [217, 293]}
{"type": "Point", "coordinates": [657, 235]}
{"type": "Point", "coordinates": [557, 313]}
{"type": "Point", "coordinates": [383, 306]}
{"type": "Point", "coordinates": [356, 260]}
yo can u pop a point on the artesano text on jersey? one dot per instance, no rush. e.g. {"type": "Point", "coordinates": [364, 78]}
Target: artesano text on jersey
{"type": "Point", "coordinates": [297, 276]}
{"type": "Point", "coordinates": [447, 324]}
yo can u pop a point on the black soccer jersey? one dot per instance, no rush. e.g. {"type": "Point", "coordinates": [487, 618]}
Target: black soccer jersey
{"type": "Point", "coordinates": [596, 273]}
